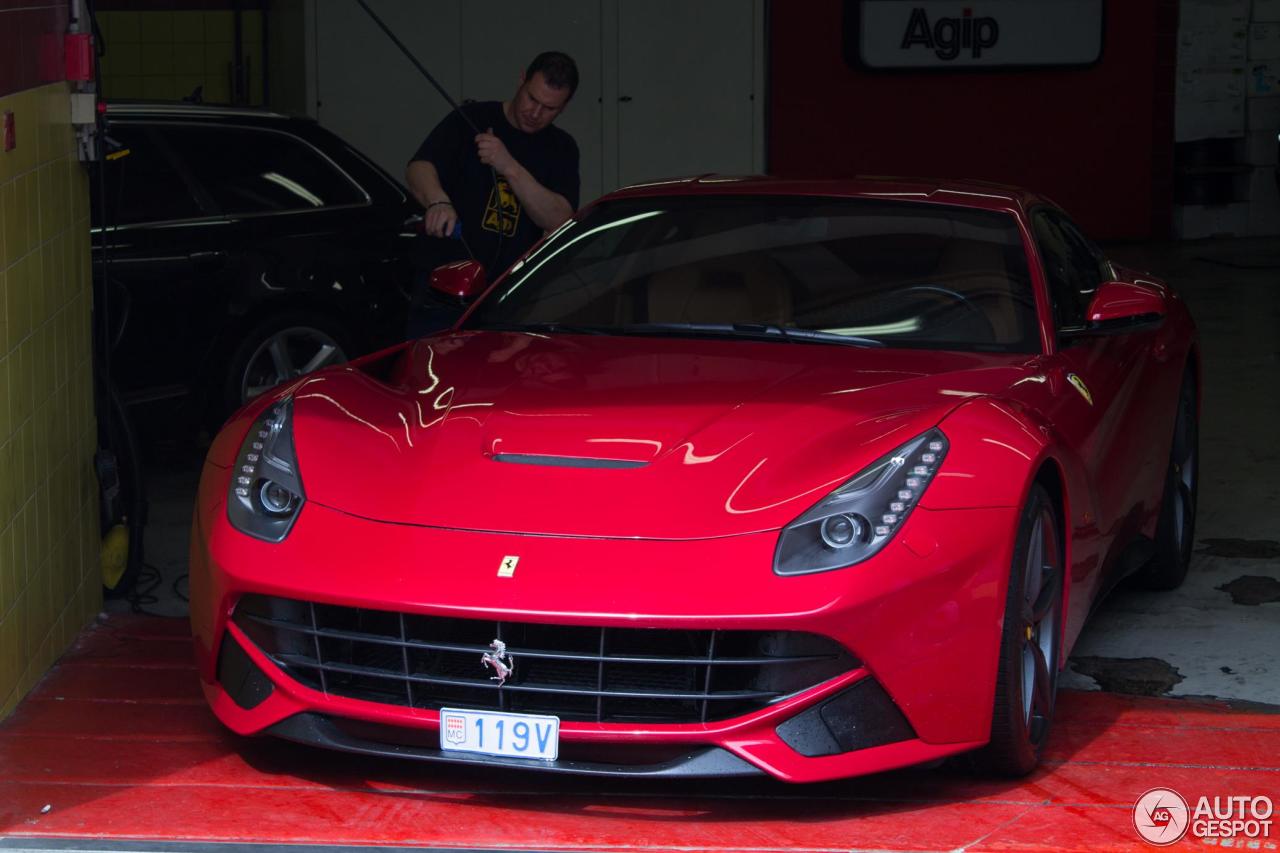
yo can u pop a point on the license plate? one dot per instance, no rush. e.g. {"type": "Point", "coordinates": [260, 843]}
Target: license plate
{"type": "Point", "coordinates": [496, 733]}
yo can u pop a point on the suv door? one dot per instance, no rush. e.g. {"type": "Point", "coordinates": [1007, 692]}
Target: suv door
{"type": "Point", "coordinates": [163, 272]}
{"type": "Point", "coordinates": [318, 272]}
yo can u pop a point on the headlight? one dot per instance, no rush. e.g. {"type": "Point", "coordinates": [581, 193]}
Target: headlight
{"type": "Point", "coordinates": [266, 490]}
{"type": "Point", "coordinates": [859, 518]}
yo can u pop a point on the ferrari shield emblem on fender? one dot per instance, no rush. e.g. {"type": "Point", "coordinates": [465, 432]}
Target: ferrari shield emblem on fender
{"type": "Point", "coordinates": [507, 568]}
{"type": "Point", "coordinates": [1079, 385]}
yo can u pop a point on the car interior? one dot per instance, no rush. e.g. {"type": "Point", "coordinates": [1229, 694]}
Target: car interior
{"type": "Point", "coordinates": [920, 287]}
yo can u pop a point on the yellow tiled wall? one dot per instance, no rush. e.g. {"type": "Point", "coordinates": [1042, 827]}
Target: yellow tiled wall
{"type": "Point", "coordinates": [50, 580]}
{"type": "Point", "coordinates": [165, 55]}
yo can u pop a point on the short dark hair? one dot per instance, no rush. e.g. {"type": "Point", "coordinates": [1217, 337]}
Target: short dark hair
{"type": "Point", "coordinates": [558, 68]}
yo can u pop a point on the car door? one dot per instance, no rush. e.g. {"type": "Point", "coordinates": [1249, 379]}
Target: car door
{"type": "Point", "coordinates": [1099, 383]}
{"type": "Point", "coordinates": [305, 241]}
{"type": "Point", "coordinates": [152, 229]}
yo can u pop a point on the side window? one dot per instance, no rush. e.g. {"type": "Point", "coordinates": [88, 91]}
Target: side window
{"type": "Point", "coordinates": [1070, 265]}
{"type": "Point", "coordinates": [256, 171]}
{"type": "Point", "coordinates": [1096, 265]}
{"type": "Point", "coordinates": [142, 182]}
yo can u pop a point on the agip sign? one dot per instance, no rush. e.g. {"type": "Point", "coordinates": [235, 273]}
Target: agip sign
{"type": "Point", "coordinates": [892, 34]}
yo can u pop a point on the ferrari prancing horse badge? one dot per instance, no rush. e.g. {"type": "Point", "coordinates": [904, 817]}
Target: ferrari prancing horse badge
{"type": "Point", "coordinates": [1079, 385]}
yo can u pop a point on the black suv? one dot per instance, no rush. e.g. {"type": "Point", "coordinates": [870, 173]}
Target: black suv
{"type": "Point", "coordinates": [243, 248]}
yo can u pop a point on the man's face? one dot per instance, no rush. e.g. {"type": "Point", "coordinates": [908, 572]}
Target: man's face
{"type": "Point", "coordinates": [537, 103]}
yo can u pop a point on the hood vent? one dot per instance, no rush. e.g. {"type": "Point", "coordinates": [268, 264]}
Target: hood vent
{"type": "Point", "coordinates": [566, 461]}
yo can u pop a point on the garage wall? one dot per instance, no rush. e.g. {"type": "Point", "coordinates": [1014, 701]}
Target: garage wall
{"type": "Point", "coordinates": [668, 87]}
{"type": "Point", "coordinates": [160, 54]}
{"type": "Point", "coordinates": [1096, 139]}
{"type": "Point", "coordinates": [286, 44]}
{"type": "Point", "coordinates": [50, 582]}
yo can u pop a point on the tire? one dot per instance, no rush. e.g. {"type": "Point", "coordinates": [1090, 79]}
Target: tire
{"type": "Point", "coordinates": [1030, 644]}
{"type": "Point", "coordinates": [282, 348]}
{"type": "Point", "coordinates": [1176, 529]}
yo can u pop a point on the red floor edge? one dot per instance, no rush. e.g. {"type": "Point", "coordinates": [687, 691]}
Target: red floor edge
{"type": "Point", "coordinates": [116, 742]}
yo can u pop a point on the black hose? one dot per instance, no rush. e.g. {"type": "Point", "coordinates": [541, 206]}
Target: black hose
{"type": "Point", "coordinates": [122, 440]}
{"type": "Point", "coordinates": [114, 424]}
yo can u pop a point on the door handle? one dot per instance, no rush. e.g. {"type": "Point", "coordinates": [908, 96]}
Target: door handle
{"type": "Point", "coordinates": [207, 260]}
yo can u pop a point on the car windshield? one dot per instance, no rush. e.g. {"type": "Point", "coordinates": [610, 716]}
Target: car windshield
{"type": "Point", "coordinates": [852, 272]}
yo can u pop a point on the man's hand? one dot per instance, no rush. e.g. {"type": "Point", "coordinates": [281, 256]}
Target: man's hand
{"type": "Point", "coordinates": [440, 218]}
{"type": "Point", "coordinates": [493, 153]}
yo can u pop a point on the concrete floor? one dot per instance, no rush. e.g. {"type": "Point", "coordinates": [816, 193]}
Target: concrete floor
{"type": "Point", "coordinates": [1202, 640]}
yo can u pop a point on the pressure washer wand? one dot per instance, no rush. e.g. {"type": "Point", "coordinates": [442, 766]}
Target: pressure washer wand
{"type": "Point", "coordinates": [416, 64]}
{"type": "Point", "coordinates": [456, 234]}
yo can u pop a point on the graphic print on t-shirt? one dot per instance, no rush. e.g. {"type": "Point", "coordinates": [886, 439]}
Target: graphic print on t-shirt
{"type": "Point", "coordinates": [503, 207]}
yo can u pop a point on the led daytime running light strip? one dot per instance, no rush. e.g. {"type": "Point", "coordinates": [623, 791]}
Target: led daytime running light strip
{"type": "Point", "coordinates": [919, 475]}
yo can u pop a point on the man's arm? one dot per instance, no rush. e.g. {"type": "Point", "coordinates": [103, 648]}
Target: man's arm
{"type": "Point", "coordinates": [424, 183]}
{"type": "Point", "coordinates": [547, 208]}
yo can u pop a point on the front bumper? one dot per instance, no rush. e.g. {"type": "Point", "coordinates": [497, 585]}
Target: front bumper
{"type": "Point", "coordinates": [922, 618]}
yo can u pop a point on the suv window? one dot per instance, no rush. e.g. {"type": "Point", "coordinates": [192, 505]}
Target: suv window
{"type": "Point", "coordinates": [1073, 266]}
{"type": "Point", "coordinates": [142, 182]}
{"type": "Point", "coordinates": [259, 171]}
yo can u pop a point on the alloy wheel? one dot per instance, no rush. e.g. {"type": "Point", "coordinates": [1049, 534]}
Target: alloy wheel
{"type": "Point", "coordinates": [1184, 467]}
{"type": "Point", "coordinates": [288, 354]}
{"type": "Point", "coordinates": [1042, 593]}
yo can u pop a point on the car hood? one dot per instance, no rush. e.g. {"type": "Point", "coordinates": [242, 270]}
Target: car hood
{"type": "Point", "coordinates": [629, 437]}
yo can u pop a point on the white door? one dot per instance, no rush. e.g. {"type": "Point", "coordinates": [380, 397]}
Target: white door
{"type": "Point", "coordinates": [500, 37]}
{"type": "Point", "coordinates": [668, 87]}
{"type": "Point", "coordinates": [367, 92]}
{"type": "Point", "coordinates": [685, 86]}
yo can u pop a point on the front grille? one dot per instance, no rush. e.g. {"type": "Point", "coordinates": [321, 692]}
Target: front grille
{"type": "Point", "coordinates": [600, 674]}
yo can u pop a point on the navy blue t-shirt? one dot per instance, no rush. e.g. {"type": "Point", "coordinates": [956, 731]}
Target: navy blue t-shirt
{"type": "Point", "coordinates": [486, 211]}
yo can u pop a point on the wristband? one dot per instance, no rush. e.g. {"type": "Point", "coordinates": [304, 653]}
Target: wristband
{"type": "Point", "coordinates": [434, 203]}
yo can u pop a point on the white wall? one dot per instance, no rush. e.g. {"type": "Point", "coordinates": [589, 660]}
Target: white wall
{"type": "Point", "coordinates": [286, 57]}
{"type": "Point", "coordinates": [690, 73]}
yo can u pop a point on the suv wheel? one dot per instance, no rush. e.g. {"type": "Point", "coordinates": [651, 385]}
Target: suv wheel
{"type": "Point", "coordinates": [281, 349]}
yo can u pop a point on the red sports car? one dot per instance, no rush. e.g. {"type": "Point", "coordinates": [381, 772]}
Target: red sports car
{"type": "Point", "coordinates": [725, 477]}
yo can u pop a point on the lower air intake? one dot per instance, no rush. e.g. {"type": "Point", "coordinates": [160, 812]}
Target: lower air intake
{"type": "Point", "coordinates": [599, 674]}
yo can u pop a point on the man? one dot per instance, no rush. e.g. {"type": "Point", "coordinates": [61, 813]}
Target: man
{"type": "Point", "coordinates": [507, 185]}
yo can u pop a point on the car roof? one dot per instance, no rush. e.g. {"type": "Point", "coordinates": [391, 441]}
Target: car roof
{"type": "Point", "coordinates": [176, 109]}
{"type": "Point", "coordinates": [966, 193]}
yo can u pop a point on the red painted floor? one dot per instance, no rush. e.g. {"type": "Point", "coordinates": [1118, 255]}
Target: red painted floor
{"type": "Point", "coordinates": [117, 741]}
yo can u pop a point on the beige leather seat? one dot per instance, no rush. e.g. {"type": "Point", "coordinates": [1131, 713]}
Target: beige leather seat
{"type": "Point", "coordinates": [723, 290]}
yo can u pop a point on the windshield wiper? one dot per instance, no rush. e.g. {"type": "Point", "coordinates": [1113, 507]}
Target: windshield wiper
{"type": "Point", "coordinates": [552, 328]}
{"type": "Point", "coordinates": [753, 331]}
{"type": "Point", "coordinates": [792, 333]}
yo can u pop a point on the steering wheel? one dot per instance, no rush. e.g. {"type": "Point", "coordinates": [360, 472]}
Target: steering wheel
{"type": "Point", "coordinates": [959, 299]}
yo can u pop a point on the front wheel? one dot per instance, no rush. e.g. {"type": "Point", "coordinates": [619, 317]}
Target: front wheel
{"type": "Point", "coordinates": [283, 348]}
{"type": "Point", "coordinates": [1030, 645]}
{"type": "Point", "coordinates": [1176, 528]}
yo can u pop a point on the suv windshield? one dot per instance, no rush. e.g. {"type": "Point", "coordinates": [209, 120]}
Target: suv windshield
{"type": "Point", "coordinates": [806, 270]}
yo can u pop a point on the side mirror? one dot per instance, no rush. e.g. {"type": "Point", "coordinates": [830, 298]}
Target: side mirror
{"type": "Point", "coordinates": [1119, 305]}
{"type": "Point", "coordinates": [463, 280]}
